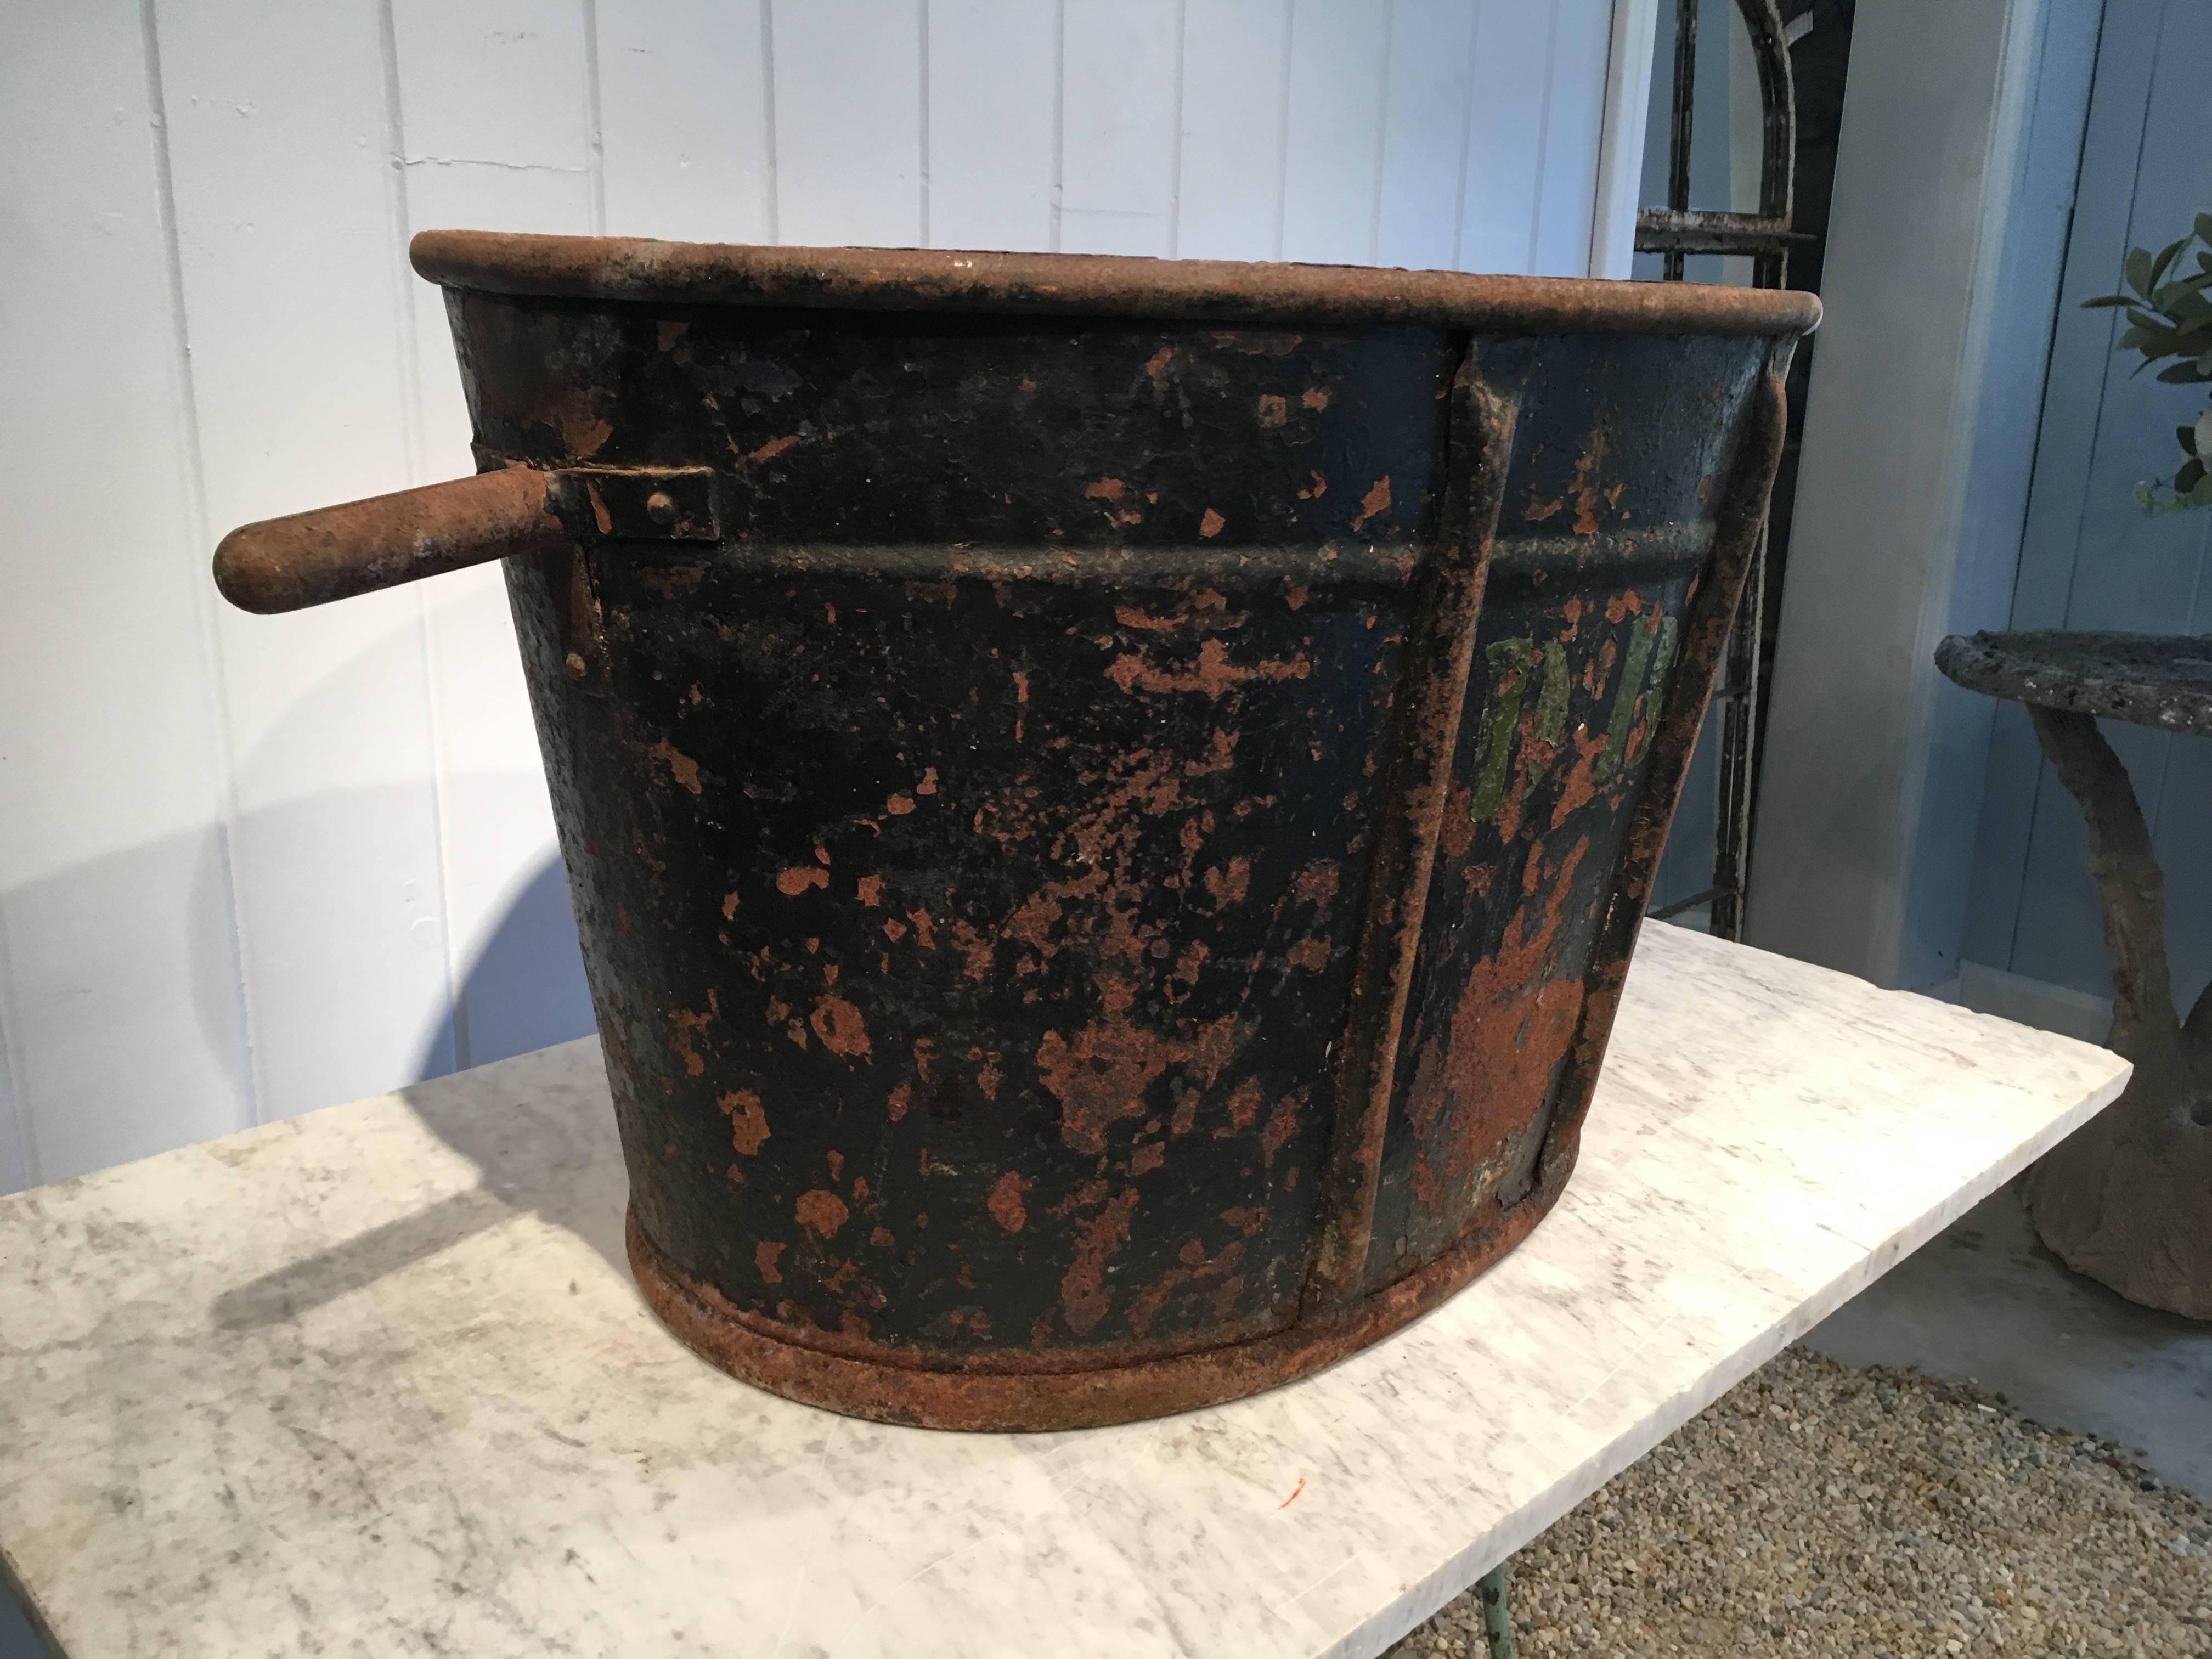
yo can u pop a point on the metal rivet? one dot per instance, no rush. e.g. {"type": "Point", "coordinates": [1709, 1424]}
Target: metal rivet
{"type": "Point", "coordinates": [575, 665]}
{"type": "Point", "coordinates": [660, 508]}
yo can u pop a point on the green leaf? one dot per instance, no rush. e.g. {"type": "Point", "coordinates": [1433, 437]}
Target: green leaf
{"type": "Point", "coordinates": [2107, 300]}
{"type": "Point", "coordinates": [2132, 339]}
{"type": "Point", "coordinates": [2203, 228]}
{"type": "Point", "coordinates": [2166, 256]}
{"type": "Point", "coordinates": [2204, 363]}
{"type": "Point", "coordinates": [2182, 375]}
{"type": "Point", "coordinates": [2190, 476]}
{"type": "Point", "coordinates": [2188, 436]}
{"type": "Point", "coordinates": [2200, 492]}
{"type": "Point", "coordinates": [2138, 269]}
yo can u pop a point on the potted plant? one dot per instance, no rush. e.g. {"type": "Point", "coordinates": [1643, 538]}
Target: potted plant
{"type": "Point", "coordinates": [2169, 317]}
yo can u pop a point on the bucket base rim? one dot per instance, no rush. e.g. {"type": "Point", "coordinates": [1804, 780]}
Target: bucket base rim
{"type": "Point", "coordinates": [1075, 1398]}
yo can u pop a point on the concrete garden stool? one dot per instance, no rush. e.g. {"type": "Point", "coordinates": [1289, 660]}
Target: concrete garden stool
{"type": "Point", "coordinates": [2128, 1199]}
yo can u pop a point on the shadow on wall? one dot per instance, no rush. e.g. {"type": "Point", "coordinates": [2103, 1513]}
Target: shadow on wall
{"type": "Point", "coordinates": [525, 988]}
{"type": "Point", "coordinates": [127, 964]}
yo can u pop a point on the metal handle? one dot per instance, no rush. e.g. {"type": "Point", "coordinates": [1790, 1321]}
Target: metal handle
{"type": "Point", "coordinates": [336, 552]}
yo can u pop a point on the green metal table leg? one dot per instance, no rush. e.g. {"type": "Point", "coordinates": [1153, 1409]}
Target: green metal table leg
{"type": "Point", "coordinates": [1496, 1628]}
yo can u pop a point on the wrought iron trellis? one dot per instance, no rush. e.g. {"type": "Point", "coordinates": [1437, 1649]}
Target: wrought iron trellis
{"type": "Point", "coordinates": [1674, 231]}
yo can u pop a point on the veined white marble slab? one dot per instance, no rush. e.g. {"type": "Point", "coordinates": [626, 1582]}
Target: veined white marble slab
{"type": "Point", "coordinates": [374, 1380]}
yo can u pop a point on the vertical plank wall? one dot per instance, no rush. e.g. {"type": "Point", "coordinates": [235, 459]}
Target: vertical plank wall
{"type": "Point", "coordinates": [2090, 558]}
{"type": "Point", "coordinates": [250, 865]}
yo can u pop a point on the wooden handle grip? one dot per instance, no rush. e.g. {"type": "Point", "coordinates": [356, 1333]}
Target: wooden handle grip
{"type": "Point", "coordinates": [336, 552]}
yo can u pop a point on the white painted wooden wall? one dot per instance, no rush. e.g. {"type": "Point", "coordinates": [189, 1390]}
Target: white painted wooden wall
{"type": "Point", "coordinates": [251, 866]}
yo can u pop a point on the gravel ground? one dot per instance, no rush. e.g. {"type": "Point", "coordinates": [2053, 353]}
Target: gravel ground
{"type": "Point", "coordinates": [1878, 1514]}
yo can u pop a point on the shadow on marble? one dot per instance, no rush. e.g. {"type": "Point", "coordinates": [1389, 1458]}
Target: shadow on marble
{"type": "Point", "coordinates": [359, 1262]}
{"type": "Point", "coordinates": [537, 1150]}
{"type": "Point", "coordinates": [523, 992]}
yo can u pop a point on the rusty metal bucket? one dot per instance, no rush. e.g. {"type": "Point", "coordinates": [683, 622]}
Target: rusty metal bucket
{"type": "Point", "coordinates": [1108, 800]}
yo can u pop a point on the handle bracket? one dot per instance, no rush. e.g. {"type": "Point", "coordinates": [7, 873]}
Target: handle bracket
{"type": "Point", "coordinates": [636, 503]}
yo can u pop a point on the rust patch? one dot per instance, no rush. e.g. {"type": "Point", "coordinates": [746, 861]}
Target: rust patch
{"type": "Point", "coordinates": [1274, 409]}
{"type": "Point", "coordinates": [684, 1026]}
{"type": "Point", "coordinates": [1102, 1076]}
{"type": "Point", "coordinates": [681, 766]}
{"type": "Point", "coordinates": [1428, 1185]}
{"type": "Point", "coordinates": [1147, 1158]}
{"type": "Point", "coordinates": [1311, 954]}
{"type": "Point", "coordinates": [1475, 1082]}
{"type": "Point", "coordinates": [843, 1031]}
{"type": "Point", "coordinates": [729, 906]}
{"type": "Point", "coordinates": [1004, 1202]}
{"type": "Point", "coordinates": [899, 806]}
{"type": "Point", "coordinates": [764, 1257]}
{"type": "Point", "coordinates": [870, 889]}
{"type": "Point", "coordinates": [801, 877]}
{"type": "Point", "coordinates": [1581, 783]}
{"type": "Point", "coordinates": [1130, 616]}
{"type": "Point", "coordinates": [1228, 886]}
{"type": "Point", "coordinates": [1244, 1107]}
{"type": "Point", "coordinates": [899, 1100]}
{"type": "Point", "coordinates": [1106, 490]}
{"type": "Point", "coordinates": [1313, 397]}
{"type": "Point", "coordinates": [1210, 523]}
{"type": "Point", "coordinates": [821, 1213]}
{"type": "Point", "coordinates": [1084, 1297]}
{"type": "Point", "coordinates": [1316, 884]}
{"type": "Point", "coordinates": [1585, 493]}
{"type": "Point", "coordinates": [583, 437]}
{"type": "Point", "coordinates": [1376, 500]}
{"type": "Point", "coordinates": [774, 448]}
{"type": "Point", "coordinates": [1213, 674]}
{"type": "Point", "coordinates": [748, 1122]}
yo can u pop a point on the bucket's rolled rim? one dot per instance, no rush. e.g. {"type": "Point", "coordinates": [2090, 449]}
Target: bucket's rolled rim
{"type": "Point", "coordinates": [627, 268]}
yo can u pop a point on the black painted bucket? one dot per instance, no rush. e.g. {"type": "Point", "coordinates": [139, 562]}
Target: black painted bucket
{"type": "Point", "coordinates": [1108, 800]}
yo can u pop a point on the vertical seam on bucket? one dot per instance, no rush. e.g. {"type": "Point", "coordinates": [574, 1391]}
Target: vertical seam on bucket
{"type": "Point", "coordinates": [1425, 725]}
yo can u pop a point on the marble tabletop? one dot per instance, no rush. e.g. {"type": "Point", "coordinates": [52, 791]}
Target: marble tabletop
{"type": "Point", "coordinates": [374, 1380]}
